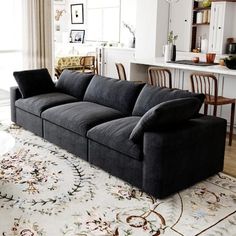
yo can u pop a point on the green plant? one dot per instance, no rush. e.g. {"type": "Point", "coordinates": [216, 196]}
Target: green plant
{"type": "Point", "coordinates": [172, 38]}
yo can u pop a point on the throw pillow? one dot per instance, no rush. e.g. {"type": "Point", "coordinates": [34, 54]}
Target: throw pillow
{"type": "Point", "coordinates": [165, 114]}
{"type": "Point", "coordinates": [74, 83]}
{"type": "Point", "coordinates": [34, 82]}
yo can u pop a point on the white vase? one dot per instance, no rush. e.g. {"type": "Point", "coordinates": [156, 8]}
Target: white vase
{"type": "Point", "coordinates": [167, 52]}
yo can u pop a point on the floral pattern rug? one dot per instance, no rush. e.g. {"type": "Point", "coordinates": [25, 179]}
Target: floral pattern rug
{"type": "Point", "coordinates": [45, 190]}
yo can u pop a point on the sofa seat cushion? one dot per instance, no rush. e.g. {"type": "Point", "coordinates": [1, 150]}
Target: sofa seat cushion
{"type": "Point", "coordinates": [118, 94]}
{"type": "Point", "coordinates": [151, 96]}
{"type": "Point", "coordinates": [79, 117]}
{"type": "Point", "coordinates": [115, 135]}
{"type": "Point", "coordinates": [39, 103]}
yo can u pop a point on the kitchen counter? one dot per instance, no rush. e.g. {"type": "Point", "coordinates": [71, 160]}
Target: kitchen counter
{"type": "Point", "coordinates": [159, 61]}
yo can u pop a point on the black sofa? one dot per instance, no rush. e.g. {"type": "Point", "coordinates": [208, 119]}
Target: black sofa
{"type": "Point", "coordinates": [136, 132]}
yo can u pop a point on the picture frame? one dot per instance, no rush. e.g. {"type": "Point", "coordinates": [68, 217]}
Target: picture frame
{"type": "Point", "coordinates": [59, 1]}
{"type": "Point", "coordinates": [77, 36]}
{"type": "Point", "coordinates": [77, 13]}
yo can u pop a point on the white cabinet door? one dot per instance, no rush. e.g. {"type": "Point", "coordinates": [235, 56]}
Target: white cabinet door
{"type": "Point", "coordinates": [217, 27]}
{"type": "Point", "coordinates": [117, 55]}
{"type": "Point", "coordinates": [180, 22]}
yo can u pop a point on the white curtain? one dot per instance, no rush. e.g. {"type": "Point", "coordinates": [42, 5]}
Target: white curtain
{"type": "Point", "coordinates": [37, 34]}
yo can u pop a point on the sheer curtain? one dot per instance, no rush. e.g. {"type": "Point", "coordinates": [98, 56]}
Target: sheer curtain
{"type": "Point", "coordinates": [37, 34]}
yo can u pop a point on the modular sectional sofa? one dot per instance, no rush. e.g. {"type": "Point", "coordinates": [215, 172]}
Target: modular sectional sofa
{"type": "Point", "coordinates": [151, 137]}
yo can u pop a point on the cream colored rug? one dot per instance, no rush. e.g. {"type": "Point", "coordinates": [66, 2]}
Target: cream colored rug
{"type": "Point", "coordinates": [45, 190]}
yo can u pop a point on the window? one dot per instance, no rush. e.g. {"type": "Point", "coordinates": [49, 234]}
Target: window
{"type": "Point", "coordinates": [103, 20]}
{"type": "Point", "coordinates": [10, 41]}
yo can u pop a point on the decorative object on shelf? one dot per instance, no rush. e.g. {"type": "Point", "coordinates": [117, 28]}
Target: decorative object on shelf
{"type": "Point", "coordinates": [171, 41]}
{"type": "Point", "coordinates": [59, 14]}
{"type": "Point", "coordinates": [77, 13]}
{"type": "Point", "coordinates": [132, 31]}
{"type": "Point", "coordinates": [210, 57]}
{"type": "Point", "coordinates": [230, 62]}
{"type": "Point", "coordinates": [204, 44]}
{"type": "Point", "coordinates": [199, 17]}
{"type": "Point", "coordinates": [206, 3]}
{"type": "Point", "coordinates": [77, 36]}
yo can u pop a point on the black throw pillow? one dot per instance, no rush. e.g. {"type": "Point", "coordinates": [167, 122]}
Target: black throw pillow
{"type": "Point", "coordinates": [74, 83]}
{"type": "Point", "coordinates": [34, 82]}
{"type": "Point", "coordinates": [166, 114]}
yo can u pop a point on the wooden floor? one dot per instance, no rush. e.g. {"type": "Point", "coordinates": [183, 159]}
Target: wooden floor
{"type": "Point", "coordinates": [230, 158]}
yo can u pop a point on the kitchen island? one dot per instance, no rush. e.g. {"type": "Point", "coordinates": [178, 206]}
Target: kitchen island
{"type": "Point", "coordinates": [181, 77]}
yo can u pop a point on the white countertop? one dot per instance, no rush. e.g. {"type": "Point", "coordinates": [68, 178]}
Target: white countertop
{"type": "Point", "coordinates": [159, 61]}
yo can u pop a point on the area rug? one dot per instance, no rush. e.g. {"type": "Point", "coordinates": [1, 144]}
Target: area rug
{"type": "Point", "coordinates": [45, 190]}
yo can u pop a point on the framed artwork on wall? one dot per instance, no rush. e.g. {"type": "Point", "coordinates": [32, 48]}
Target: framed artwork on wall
{"type": "Point", "coordinates": [77, 36]}
{"type": "Point", "coordinates": [77, 13]}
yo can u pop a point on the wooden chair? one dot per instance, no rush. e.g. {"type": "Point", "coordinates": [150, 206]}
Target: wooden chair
{"type": "Point", "coordinates": [159, 77]}
{"type": "Point", "coordinates": [88, 64]}
{"type": "Point", "coordinates": [208, 85]}
{"type": "Point", "coordinates": [121, 71]}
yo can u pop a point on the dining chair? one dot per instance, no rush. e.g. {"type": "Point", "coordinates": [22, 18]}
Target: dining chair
{"type": "Point", "coordinates": [88, 64]}
{"type": "Point", "coordinates": [159, 77]}
{"type": "Point", "coordinates": [121, 71]}
{"type": "Point", "coordinates": [208, 85]}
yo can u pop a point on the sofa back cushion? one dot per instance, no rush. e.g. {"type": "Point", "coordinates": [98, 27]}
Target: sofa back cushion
{"type": "Point", "coordinates": [34, 82]}
{"type": "Point", "coordinates": [166, 115]}
{"type": "Point", "coordinates": [151, 96]}
{"type": "Point", "coordinates": [74, 83]}
{"type": "Point", "coordinates": [118, 94]}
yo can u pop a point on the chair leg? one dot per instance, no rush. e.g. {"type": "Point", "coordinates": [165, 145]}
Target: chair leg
{"type": "Point", "coordinates": [215, 110]}
{"type": "Point", "coordinates": [205, 109]}
{"type": "Point", "coordinates": [231, 123]}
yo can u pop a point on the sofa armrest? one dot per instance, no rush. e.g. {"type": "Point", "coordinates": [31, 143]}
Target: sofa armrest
{"type": "Point", "coordinates": [14, 95]}
{"type": "Point", "coordinates": [179, 157]}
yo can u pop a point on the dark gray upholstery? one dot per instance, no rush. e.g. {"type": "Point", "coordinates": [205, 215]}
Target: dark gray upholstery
{"type": "Point", "coordinates": [37, 104]}
{"type": "Point", "coordinates": [165, 115]}
{"type": "Point", "coordinates": [34, 82]}
{"type": "Point", "coordinates": [118, 94]}
{"type": "Point", "coordinates": [151, 96]}
{"type": "Point", "coordinates": [74, 83]}
{"type": "Point", "coordinates": [177, 158]}
{"type": "Point", "coordinates": [66, 139]}
{"type": "Point", "coordinates": [115, 135]}
{"type": "Point", "coordinates": [29, 121]}
{"type": "Point", "coordinates": [116, 163]}
{"type": "Point", "coordinates": [79, 117]}
{"type": "Point", "coordinates": [14, 95]}
{"type": "Point", "coordinates": [163, 162]}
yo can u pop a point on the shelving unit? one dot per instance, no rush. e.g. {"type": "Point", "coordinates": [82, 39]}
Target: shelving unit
{"type": "Point", "coordinates": [196, 26]}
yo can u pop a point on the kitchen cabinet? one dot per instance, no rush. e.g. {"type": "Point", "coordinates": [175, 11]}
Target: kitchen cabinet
{"type": "Point", "coordinates": [180, 21]}
{"type": "Point", "coordinates": [108, 56]}
{"type": "Point", "coordinates": [222, 19]}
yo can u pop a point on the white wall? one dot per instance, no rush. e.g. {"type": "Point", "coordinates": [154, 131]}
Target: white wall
{"type": "Point", "coordinates": [151, 28]}
{"type": "Point", "coordinates": [127, 15]}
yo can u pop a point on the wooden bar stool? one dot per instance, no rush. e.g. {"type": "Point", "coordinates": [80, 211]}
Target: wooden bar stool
{"type": "Point", "coordinates": [208, 85]}
{"type": "Point", "coordinates": [159, 77]}
{"type": "Point", "coordinates": [121, 71]}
